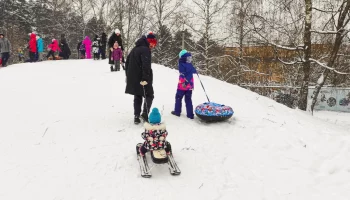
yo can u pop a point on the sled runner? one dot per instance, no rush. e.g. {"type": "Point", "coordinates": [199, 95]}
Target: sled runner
{"type": "Point", "coordinates": [158, 157]}
{"type": "Point", "coordinates": [155, 143]}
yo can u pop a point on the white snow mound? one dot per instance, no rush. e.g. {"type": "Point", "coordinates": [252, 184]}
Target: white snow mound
{"type": "Point", "coordinates": [67, 133]}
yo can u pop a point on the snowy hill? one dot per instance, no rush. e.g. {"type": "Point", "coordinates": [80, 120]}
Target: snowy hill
{"type": "Point", "coordinates": [67, 133]}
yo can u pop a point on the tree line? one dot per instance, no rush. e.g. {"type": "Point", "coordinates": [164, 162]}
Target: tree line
{"type": "Point", "coordinates": [301, 42]}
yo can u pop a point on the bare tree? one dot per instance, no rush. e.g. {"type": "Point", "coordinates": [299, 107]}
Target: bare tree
{"type": "Point", "coordinates": [300, 41]}
{"type": "Point", "coordinates": [82, 8]}
{"type": "Point", "coordinates": [206, 17]}
{"type": "Point", "coordinates": [162, 22]}
{"type": "Point", "coordinates": [340, 32]}
{"type": "Point", "coordinates": [307, 55]}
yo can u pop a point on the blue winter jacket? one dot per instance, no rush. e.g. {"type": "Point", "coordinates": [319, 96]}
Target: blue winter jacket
{"type": "Point", "coordinates": [40, 45]}
{"type": "Point", "coordinates": [186, 70]}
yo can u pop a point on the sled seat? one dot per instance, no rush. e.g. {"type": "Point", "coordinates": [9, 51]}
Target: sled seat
{"type": "Point", "coordinates": [159, 156]}
{"type": "Point", "coordinates": [56, 57]}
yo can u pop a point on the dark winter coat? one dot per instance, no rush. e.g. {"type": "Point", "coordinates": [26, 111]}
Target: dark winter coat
{"type": "Point", "coordinates": [114, 38]}
{"type": "Point", "coordinates": [5, 45]}
{"type": "Point", "coordinates": [104, 40]}
{"type": "Point", "coordinates": [65, 50]}
{"type": "Point", "coordinates": [63, 39]}
{"type": "Point", "coordinates": [138, 68]}
{"type": "Point", "coordinates": [79, 44]}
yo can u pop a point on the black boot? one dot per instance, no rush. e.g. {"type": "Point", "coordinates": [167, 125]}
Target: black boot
{"type": "Point", "coordinates": [137, 120]}
{"type": "Point", "coordinates": [112, 69]}
{"type": "Point", "coordinates": [173, 113]}
{"type": "Point", "coordinates": [144, 117]}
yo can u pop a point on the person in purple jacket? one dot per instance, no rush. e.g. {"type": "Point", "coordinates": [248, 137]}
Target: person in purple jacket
{"type": "Point", "coordinates": [185, 84]}
{"type": "Point", "coordinates": [117, 56]}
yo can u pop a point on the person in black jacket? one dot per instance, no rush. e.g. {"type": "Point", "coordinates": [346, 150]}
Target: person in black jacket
{"type": "Point", "coordinates": [115, 37]}
{"type": "Point", "coordinates": [139, 76]}
{"type": "Point", "coordinates": [65, 50]}
{"type": "Point", "coordinates": [103, 45]}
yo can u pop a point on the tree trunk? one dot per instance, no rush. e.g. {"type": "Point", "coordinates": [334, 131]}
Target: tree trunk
{"type": "Point", "coordinates": [307, 54]}
{"type": "Point", "coordinates": [206, 34]}
{"type": "Point", "coordinates": [241, 32]}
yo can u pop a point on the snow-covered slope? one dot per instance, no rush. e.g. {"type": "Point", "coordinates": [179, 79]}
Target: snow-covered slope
{"type": "Point", "coordinates": [67, 133]}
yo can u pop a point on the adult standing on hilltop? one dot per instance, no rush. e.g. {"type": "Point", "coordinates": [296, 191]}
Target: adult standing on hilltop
{"type": "Point", "coordinates": [115, 37]}
{"type": "Point", "coordinates": [32, 47]}
{"type": "Point", "coordinates": [139, 76]}
{"type": "Point", "coordinates": [65, 50]}
{"type": "Point", "coordinates": [103, 45]}
{"type": "Point", "coordinates": [5, 49]}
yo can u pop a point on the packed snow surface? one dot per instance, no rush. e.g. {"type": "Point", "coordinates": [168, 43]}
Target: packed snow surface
{"type": "Point", "coordinates": [67, 133]}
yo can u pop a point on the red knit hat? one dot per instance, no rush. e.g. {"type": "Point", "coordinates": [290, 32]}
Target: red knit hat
{"type": "Point", "coordinates": [152, 40]}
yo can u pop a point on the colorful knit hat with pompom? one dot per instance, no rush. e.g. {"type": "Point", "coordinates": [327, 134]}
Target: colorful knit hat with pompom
{"type": "Point", "coordinates": [151, 38]}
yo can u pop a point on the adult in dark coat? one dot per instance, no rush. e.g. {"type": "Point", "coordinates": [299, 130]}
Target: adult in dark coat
{"type": "Point", "coordinates": [78, 50]}
{"type": "Point", "coordinates": [65, 50]}
{"type": "Point", "coordinates": [115, 37]}
{"type": "Point", "coordinates": [139, 76]}
{"type": "Point", "coordinates": [5, 49]}
{"type": "Point", "coordinates": [103, 45]}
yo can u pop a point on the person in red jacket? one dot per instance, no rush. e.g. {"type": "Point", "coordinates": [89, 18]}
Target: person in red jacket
{"type": "Point", "coordinates": [53, 47]}
{"type": "Point", "coordinates": [32, 47]}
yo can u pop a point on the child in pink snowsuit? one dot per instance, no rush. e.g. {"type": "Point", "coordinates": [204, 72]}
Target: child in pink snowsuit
{"type": "Point", "coordinates": [87, 43]}
{"type": "Point", "coordinates": [116, 56]}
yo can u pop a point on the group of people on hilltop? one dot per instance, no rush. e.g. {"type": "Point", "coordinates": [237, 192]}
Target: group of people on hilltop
{"type": "Point", "coordinates": [36, 48]}
{"type": "Point", "coordinates": [97, 47]}
{"type": "Point", "coordinates": [138, 71]}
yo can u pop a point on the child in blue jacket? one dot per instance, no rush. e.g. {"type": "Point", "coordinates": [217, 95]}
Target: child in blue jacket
{"type": "Point", "coordinates": [185, 84]}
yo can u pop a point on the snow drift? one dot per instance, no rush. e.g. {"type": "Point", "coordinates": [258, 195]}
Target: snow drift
{"type": "Point", "coordinates": [67, 132]}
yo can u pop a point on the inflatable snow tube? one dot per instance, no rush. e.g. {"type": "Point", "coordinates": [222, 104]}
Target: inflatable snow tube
{"type": "Point", "coordinates": [213, 112]}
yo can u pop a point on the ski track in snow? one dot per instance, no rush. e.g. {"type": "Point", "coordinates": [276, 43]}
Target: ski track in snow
{"type": "Point", "coordinates": [67, 133]}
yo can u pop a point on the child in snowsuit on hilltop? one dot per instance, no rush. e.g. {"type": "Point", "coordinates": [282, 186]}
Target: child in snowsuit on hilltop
{"type": "Point", "coordinates": [40, 47]}
{"type": "Point", "coordinates": [117, 55]}
{"type": "Point", "coordinates": [81, 50]}
{"type": "Point", "coordinates": [96, 44]}
{"type": "Point", "coordinates": [53, 47]}
{"type": "Point", "coordinates": [185, 84]}
{"type": "Point", "coordinates": [87, 43]}
{"type": "Point", "coordinates": [155, 134]}
{"type": "Point", "coordinates": [20, 55]}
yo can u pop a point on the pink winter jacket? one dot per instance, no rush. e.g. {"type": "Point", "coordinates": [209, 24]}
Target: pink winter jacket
{"type": "Point", "coordinates": [54, 46]}
{"type": "Point", "coordinates": [117, 54]}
